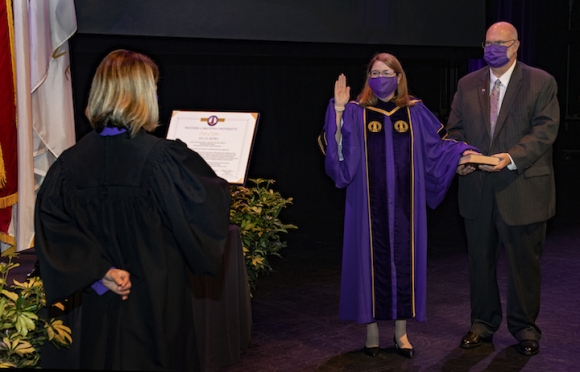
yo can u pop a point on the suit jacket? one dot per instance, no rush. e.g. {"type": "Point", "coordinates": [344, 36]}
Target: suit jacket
{"type": "Point", "coordinates": [526, 128]}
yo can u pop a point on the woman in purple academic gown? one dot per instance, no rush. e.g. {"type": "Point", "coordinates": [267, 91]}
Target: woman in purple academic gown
{"type": "Point", "coordinates": [394, 158]}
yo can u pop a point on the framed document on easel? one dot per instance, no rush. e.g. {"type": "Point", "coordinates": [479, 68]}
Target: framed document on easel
{"type": "Point", "coordinates": [223, 139]}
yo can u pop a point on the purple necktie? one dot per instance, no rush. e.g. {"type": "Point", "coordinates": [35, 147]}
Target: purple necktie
{"type": "Point", "coordinates": [494, 104]}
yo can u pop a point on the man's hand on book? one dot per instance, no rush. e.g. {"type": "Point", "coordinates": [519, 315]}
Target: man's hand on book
{"type": "Point", "coordinates": [504, 161]}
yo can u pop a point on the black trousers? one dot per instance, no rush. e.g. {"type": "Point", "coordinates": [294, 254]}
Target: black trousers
{"type": "Point", "coordinates": [523, 247]}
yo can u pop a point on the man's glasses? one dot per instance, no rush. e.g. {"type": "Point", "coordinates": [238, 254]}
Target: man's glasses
{"type": "Point", "coordinates": [499, 42]}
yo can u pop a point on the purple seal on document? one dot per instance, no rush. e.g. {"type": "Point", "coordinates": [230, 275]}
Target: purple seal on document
{"type": "Point", "coordinates": [212, 120]}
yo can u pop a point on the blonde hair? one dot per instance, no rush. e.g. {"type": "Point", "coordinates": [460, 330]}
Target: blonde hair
{"type": "Point", "coordinates": [402, 97]}
{"type": "Point", "coordinates": [124, 93]}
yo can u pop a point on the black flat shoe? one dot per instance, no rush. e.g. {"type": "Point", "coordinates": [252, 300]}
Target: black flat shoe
{"type": "Point", "coordinates": [471, 340]}
{"type": "Point", "coordinates": [528, 347]}
{"type": "Point", "coordinates": [371, 351]}
{"type": "Point", "coordinates": [407, 353]}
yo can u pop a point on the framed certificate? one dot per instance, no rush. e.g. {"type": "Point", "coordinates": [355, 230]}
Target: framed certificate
{"type": "Point", "coordinates": [223, 139]}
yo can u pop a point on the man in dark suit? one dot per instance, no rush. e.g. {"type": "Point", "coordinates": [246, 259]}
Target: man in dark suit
{"type": "Point", "coordinates": [515, 120]}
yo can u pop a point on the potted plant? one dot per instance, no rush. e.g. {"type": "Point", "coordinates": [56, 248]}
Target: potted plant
{"type": "Point", "coordinates": [24, 327]}
{"type": "Point", "coordinates": [256, 211]}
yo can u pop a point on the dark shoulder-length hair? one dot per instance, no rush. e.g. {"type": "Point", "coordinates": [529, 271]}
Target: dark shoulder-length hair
{"type": "Point", "coordinates": [124, 93]}
{"type": "Point", "coordinates": [402, 97]}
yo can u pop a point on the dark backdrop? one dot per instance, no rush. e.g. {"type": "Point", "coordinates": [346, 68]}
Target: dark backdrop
{"type": "Point", "coordinates": [290, 83]}
{"type": "Point", "coordinates": [400, 22]}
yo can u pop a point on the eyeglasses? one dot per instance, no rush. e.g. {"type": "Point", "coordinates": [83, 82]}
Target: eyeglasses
{"type": "Point", "coordinates": [499, 42]}
{"type": "Point", "coordinates": [384, 73]}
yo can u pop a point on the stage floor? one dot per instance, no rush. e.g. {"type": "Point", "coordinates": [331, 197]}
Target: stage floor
{"type": "Point", "coordinates": [295, 308]}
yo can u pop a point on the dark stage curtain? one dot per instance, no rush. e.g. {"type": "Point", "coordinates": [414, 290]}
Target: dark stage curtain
{"type": "Point", "coordinates": [290, 84]}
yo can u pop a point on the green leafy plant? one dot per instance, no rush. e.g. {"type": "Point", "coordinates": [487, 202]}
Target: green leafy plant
{"type": "Point", "coordinates": [24, 329]}
{"type": "Point", "coordinates": [256, 212]}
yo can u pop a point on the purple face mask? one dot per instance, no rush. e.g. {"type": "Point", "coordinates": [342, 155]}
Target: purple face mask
{"type": "Point", "coordinates": [496, 55]}
{"type": "Point", "coordinates": [382, 86]}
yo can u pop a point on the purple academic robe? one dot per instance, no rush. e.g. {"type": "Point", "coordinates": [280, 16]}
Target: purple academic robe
{"type": "Point", "coordinates": [433, 158]}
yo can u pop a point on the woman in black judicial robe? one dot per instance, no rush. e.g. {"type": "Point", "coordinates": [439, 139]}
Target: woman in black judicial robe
{"type": "Point", "coordinates": [123, 216]}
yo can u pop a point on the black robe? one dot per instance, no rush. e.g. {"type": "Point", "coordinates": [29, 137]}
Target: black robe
{"type": "Point", "coordinates": [146, 205]}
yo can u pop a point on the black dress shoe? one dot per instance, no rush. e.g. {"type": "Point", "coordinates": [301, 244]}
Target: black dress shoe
{"type": "Point", "coordinates": [407, 353]}
{"type": "Point", "coordinates": [371, 351]}
{"type": "Point", "coordinates": [471, 340]}
{"type": "Point", "coordinates": [528, 347]}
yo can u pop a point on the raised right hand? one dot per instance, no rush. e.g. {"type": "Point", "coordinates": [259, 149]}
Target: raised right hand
{"type": "Point", "coordinates": [341, 91]}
